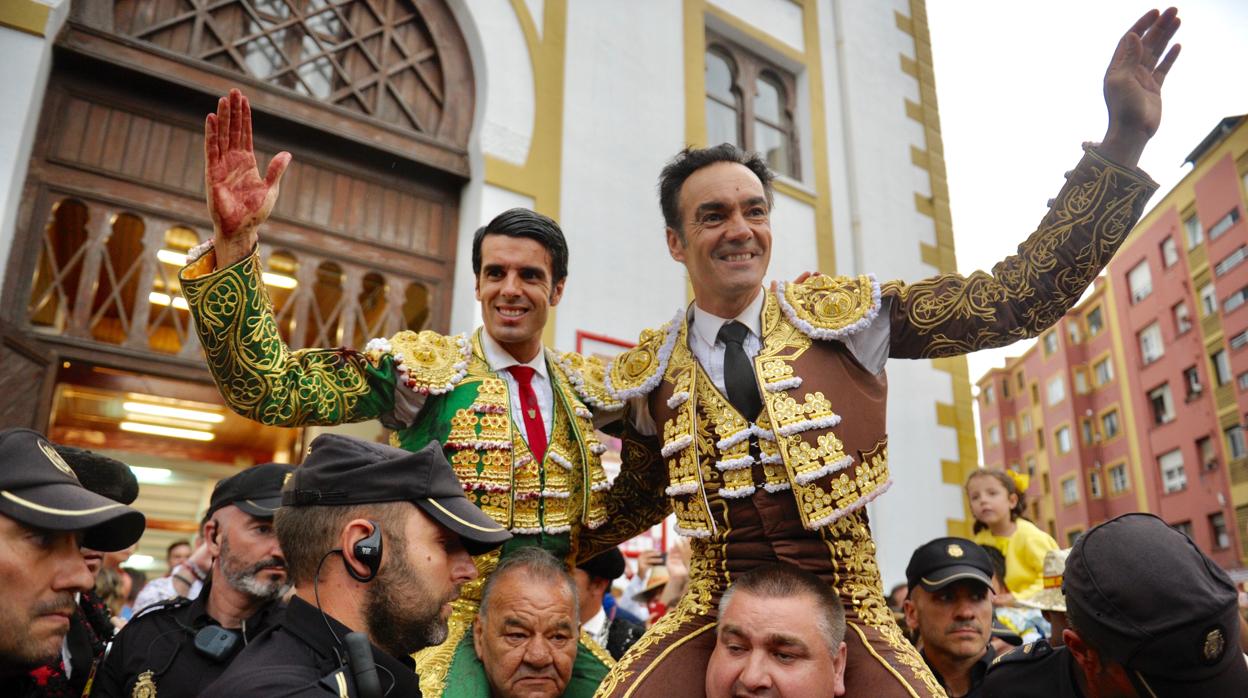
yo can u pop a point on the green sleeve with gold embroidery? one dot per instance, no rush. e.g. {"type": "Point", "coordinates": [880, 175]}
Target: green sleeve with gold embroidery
{"type": "Point", "coordinates": [260, 377]}
{"type": "Point", "coordinates": [1031, 290]}
{"type": "Point", "coordinates": [637, 499]}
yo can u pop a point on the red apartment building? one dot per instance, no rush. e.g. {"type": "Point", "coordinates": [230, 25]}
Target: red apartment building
{"type": "Point", "coordinates": [1137, 399]}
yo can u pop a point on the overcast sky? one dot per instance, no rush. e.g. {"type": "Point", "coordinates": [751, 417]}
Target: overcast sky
{"type": "Point", "coordinates": [1019, 89]}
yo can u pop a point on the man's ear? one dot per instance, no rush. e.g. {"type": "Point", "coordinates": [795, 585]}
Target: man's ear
{"type": "Point", "coordinates": [675, 245]}
{"type": "Point", "coordinates": [912, 614]}
{"type": "Point", "coordinates": [839, 659]}
{"type": "Point", "coordinates": [1087, 658]}
{"type": "Point", "coordinates": [355, 531]}
{"type": "Point", "coordinates": [212, 534]}
{"type": "Point", "coordinates": [556, 291]}
{"type": "Point", "coordinates": [477, 632]}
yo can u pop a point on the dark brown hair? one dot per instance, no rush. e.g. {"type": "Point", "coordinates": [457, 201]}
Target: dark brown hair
{"type": "Point", "coordinates": [1010, 488]}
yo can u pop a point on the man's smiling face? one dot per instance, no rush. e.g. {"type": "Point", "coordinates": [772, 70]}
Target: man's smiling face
{"type": "Point", "coordinates": [725, 236]}
{"type": "Point", "coordinates": [516, 290]}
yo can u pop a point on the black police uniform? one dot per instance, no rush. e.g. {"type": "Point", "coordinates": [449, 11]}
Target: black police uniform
{"type": "Point", "coordinates": [978, 671]}
{"type": "Point", "coordinates": [298, 657]}
{"type": "Point", "coordinates": [156, 650]}
{"type": "Point", "coordinates": [1035, 670]}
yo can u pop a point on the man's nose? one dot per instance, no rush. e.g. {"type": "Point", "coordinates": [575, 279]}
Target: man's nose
{"type": "Point", "coordinates": [462, 569]}
{"type": "Point", "coordinates": [73, 574]}
{"type": "Point", "coordinates": [511, 284]}
{"type": "Point", "coordinates": [537, 652]}
{"type": "Point", "coordinates": [754, 674]}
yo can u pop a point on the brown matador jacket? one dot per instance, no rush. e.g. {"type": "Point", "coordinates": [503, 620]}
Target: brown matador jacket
{"type": "Point", "coordinates": [792, 484]}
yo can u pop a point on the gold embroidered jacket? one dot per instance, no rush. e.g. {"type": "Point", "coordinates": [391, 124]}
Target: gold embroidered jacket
{"type": "Point", "coordinates": [822, 430]}
{"type": "Point", "coordinates": [466, 405]}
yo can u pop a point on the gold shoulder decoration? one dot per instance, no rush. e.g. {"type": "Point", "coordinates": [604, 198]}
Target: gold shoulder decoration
{"type": "Point", "coordinates": [588, 376]}
{"type": "Point", "coordinates": [427, 362]}
{"type": "Point", "coordinates": [830, 307]}
{"type": "Point", "coordinates": [639, 370]}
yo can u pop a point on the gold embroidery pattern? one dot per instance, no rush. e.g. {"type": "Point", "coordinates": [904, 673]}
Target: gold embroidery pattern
{"type": "Point", "coordinates": [432, 362]}
{"type": "Point", "coordinates": [597, 650]}
{"type": "Point", "coordinates": [858, 580]}
{"type": "Point", "coordinates": [588, 376]}
{"type": "Point", "coordinates": [635, 501]}
{"type": "Point", "coordinates": [832, 302]}
{"type": "Point", "coordinates": [727, 424]}
{"type": "Point", "coordinates": [258, 376]}
{"type": "Point", "coordinates": [1027, 292]}
{"type": "Point", "coordinates": [697, 602]}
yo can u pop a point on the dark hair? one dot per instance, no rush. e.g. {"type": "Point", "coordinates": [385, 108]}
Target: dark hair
{"type": "Point", "coordinates": [1010, 488]}
{"type": "Point", "coordinates": [690, 160]}
{"type": "Point", "coordinates": [306, 534]}
{"type": "Point", "coordinates": [176, 543]}
{"type": "Point", "coordinates": [779, 580]}
{"type": "Point", "coordinates": [998, 562]}
{"type": "Point", "coordinates": [541, 567]}
{"type": "Point", "coordinates": [523, 223]}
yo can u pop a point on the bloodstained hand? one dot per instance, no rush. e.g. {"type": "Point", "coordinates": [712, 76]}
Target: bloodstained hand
{"type": "Point", "coordinates": [238, 199]}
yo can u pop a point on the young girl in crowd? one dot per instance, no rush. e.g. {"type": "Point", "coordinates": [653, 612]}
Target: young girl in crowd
{"type": "Point", "coordinates": [997, 503]}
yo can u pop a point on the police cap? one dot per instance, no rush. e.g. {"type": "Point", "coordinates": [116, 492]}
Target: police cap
{"type": "Point", "coordinates": [941, 562]}
{"type": "Point", "coordinates": [39, 489]}
{"type": "Point", "coordinates": [256, 490]}
{"type": "Point", "coordinates": [1144, 595]}
{"type": "Point", "coordinates": [344, 471]}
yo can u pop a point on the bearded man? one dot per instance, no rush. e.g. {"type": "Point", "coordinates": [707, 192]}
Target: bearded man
{"type": "Point", "coordinates": [178, 647]}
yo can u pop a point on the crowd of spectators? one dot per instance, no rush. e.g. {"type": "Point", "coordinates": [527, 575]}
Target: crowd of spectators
{"type": "Point", "coordinates": [1134, 608]}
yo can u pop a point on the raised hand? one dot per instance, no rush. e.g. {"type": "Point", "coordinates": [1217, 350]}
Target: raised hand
{"type": "Point", "coordinates": [238, 200]}
{"type": "Point", "coordinates": [1133, 84]}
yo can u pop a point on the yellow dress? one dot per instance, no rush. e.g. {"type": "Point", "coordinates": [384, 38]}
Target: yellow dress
{"type": "Point", "coordinates": [1024, 556]}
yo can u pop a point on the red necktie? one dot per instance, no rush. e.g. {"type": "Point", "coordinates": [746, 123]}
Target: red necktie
{"type": "Point", "coordinates": [532, 414]}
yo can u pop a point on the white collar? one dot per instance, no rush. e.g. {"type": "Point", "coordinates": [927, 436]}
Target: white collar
{"type": "Point", "coordinates": [707, 325]}
{"type": "Point", "coordinates": [594, 625]}
{"type": "Point", "coordinates": [500, 359]}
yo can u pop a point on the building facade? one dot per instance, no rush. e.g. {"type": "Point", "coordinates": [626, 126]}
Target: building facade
{"type": "Point", "coordinates": [1137, 399]}
{"type": "Point", "coordinates": [412, 122]}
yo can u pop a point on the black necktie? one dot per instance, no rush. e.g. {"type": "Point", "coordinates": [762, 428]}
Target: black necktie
{"type": "Point", "coordinates": [739, 371]}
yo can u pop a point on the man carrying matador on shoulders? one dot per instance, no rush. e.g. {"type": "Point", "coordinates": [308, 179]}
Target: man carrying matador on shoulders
{"type": "Point", "coordinates": [514, 417]}
{"type": "Point", "coordinates": [770, 406]}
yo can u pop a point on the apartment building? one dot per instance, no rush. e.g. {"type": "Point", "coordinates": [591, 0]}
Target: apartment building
{"type": "Point", "coordinates": [1137, 399]}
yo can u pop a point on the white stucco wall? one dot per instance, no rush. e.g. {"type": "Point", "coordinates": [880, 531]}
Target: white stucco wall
{"type": "Point", "coordinates": [623, 118]}
{"type": "Point", "coordinates": [781, 19]}
{"type": "Point", "coordinates": [27, 61]}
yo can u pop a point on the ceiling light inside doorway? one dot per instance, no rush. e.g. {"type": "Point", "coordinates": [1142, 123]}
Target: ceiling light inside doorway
{"type": "Point", "coordinates": [151, 476]}
{"type": "Point", "coordinates": [173, 412]}
{"type": "Point", "coordinates": [172, 432]}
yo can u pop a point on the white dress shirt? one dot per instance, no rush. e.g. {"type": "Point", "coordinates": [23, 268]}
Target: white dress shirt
{"type": "Point", "coordinates": [704, 337]}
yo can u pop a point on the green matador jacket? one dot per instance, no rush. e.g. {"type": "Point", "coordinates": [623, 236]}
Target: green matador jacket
{"type": "Point", "coordinates": [466, 408]}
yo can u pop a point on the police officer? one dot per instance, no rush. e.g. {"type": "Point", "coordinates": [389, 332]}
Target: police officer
{"type": "Point", "coordinates": [178, 647]}
{"type": "Point", "coordinates": [950, 607]}
{"type": "Point", "coordinates": [91, 627]}
{"type": "Point", "coordinates": [46, 517]}
{"type": "Point", "coordinates": [378, 542]}
{"type": "Point", "coordinates": [1148, 614]}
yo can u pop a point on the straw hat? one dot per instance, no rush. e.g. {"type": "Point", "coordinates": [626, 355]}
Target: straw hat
{"type": "Point", "coordinates": [1050, 598]}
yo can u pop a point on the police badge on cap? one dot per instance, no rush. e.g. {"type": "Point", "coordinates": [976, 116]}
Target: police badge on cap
{"type": "Point", "coordinates": [39, 489]}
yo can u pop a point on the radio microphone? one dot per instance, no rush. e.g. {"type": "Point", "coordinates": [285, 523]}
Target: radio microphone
{"type": "Point", "coordinates": [363, 669]}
